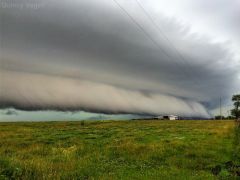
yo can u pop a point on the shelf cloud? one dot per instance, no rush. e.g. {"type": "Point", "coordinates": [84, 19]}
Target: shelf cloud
{"type": "Point", "coordinates": [34, 92]}
{"type": "Point", "coordinates": [93, 56]}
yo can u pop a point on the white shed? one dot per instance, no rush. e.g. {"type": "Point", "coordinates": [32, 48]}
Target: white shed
{"type": "Point", "coordinates": [169, 117]}
{"type": "Point", "coordinates": [172, 117]}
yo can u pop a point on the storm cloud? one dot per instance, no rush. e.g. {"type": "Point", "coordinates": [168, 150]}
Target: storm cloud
{"type": "Point", "coordinates": [90, 55]}
{"type": "Point", "coordinates": [48, 92]}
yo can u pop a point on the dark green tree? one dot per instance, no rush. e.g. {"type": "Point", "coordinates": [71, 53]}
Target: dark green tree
{"type": "Point", "coordinates": [236, 102]}
{"type": "Point", "coordinates": [236, 142]}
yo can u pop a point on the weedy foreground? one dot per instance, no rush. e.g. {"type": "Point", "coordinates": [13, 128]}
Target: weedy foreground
{"type": "Point", "coordinates": [145, 149]}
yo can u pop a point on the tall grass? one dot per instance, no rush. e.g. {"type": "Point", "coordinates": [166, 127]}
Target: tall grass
{"type": "Point", "coordinates": [236, 143]}
{"type": "Point", "coordinates": [117, 150]}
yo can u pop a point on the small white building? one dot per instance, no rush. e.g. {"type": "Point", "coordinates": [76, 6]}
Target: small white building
{"type": "Point", "coordinates": [168, 117]}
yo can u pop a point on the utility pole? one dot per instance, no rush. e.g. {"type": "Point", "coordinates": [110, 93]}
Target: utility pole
{"type": "Point", "coordinates": [220, 108]}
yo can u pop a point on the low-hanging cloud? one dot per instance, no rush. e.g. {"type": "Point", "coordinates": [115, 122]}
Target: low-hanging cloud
{"type": "Point", "coordinates": [34, 92]}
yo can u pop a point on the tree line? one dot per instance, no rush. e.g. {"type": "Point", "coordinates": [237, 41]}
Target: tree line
{"type": "Point", "coordinates": [235, 112]}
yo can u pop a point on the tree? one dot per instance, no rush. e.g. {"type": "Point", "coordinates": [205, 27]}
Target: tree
{"type": "Point", "coordinates": [219, 117]}
{"type": "Point", "coordinates": [236, 102]}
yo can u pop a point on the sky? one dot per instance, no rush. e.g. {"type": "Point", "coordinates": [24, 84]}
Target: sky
{"type": "Point", "coordinates": [117, 58]}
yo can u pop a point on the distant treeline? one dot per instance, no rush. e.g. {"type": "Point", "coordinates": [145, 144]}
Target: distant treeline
{"type": "Point", "coordinates": [224, 117]}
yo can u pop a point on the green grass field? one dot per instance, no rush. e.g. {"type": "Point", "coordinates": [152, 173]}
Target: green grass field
{"type": "Point", "coordinates": [117, 150]}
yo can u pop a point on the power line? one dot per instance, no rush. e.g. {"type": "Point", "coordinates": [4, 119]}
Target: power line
{"type": "Point", "coordinates": [141, 28]}
{"type": "Point", "coordinates": [178, 53]}
{"type": "Point", "coordinates": [160, 30]}
{"type": "Point", "coordinates": [147, 34]}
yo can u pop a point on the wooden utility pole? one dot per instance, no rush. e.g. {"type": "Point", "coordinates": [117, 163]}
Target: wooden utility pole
{"type": "Point", "coordinates": [220, 108]}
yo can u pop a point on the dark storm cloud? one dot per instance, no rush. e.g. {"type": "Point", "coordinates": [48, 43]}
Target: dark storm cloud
{"type": "Point", "coordinates": [95, 44]}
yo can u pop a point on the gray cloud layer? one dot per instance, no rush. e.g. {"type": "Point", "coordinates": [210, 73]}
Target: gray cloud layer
{"type": "Point", "coordinates": [89, 55]}
{"type": "Point", "coordinates": [48, 92]}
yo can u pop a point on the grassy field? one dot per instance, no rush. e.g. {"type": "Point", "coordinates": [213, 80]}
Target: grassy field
{"type": "Point", "coordinates": [118, 150]}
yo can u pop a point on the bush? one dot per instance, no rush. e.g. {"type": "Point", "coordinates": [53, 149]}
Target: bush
{"type": "Point", "coordinates": [82, 123]}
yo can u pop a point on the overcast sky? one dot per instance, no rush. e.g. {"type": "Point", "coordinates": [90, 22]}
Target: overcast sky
{"type": "Point", "coordinates": [120, 56]}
